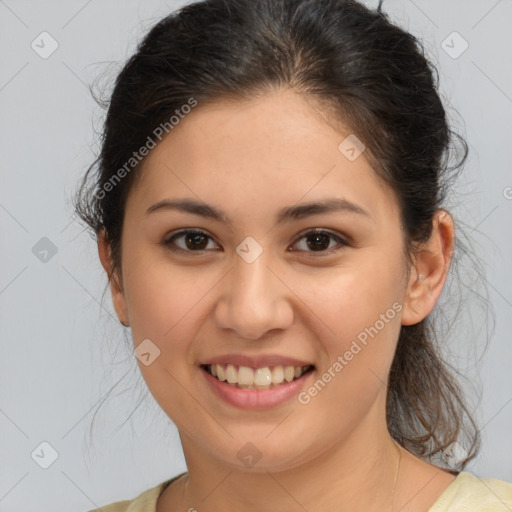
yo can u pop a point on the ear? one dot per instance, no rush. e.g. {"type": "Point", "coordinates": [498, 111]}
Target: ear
{"type": "Point", "coordinates": [115, 282]}
{"type": "Point", "coordinates": [431, 265]}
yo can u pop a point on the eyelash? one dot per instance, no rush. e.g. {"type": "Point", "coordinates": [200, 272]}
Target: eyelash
{"type": "Point", "coordinates": [168, 242]}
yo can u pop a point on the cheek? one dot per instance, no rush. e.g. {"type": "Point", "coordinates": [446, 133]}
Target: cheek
{"type": "Point", "coordinates": [163, 303]}
{"type": "Point", "coordinates": [162, 300]}
{"type": "Point", "coordinates": [362, 308]}
{"type": "Point", "coordinates": [360, 304]}
{"type": "Point", "coordinates": [348, 301]}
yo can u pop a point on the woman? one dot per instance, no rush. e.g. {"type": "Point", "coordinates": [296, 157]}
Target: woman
{"type": "Point", "coordinates": [268, 209]}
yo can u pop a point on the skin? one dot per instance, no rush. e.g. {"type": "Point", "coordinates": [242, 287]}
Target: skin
{"type": "Point", "coordinates": [250, 159]}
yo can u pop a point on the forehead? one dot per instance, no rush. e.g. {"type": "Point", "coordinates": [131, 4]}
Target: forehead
{"type": "Point", "coordinates": [277, 148]}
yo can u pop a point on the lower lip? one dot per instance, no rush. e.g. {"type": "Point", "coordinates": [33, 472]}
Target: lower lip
{"type": "Point", "coordinates": [256, 398]}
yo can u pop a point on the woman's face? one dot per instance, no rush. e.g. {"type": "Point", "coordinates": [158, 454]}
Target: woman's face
{"type": "Point", "coordinates": [258, 291]}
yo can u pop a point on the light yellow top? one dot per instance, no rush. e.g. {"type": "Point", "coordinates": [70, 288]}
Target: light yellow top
{"type": "Point", "coordinates": [467, 493]}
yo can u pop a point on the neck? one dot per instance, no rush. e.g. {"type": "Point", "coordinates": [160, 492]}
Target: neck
{"type": "Point", "coordinates": [359, 473]}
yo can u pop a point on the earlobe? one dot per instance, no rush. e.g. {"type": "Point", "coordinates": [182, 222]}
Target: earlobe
{"type": "Point", "coordinates": [115, 283]}
{"type": "Point", "coordinates": [431, 266]}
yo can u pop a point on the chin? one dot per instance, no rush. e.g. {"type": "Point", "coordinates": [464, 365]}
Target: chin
{"type": "Point", "coordinates": [262, 455]}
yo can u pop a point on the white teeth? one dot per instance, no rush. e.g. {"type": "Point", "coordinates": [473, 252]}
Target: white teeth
{"type": "Point", "coordinates": [259, 378]}
{"type": "Point", "coordinates": [289, 373]}
{"type": "Point", "coordinates": [245, 376]}
{"type": "Point", "coordinates": [221, 375]}
{"type": "Point", "coordinates": [262, 377]}
{"type": "Point", "coordinates": [277, 375]}
{"type": "Point", "coordinates": [231, 374]}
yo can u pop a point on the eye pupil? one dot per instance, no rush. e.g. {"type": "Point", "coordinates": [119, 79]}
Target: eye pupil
{"type": "Point", "coordinates": [195, 240]}
{"type": "Point", "coordinates": [318, 241]}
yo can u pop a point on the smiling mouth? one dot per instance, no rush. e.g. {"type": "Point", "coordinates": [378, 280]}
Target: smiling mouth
{"type": "Point", "coordinates": [244, 377]}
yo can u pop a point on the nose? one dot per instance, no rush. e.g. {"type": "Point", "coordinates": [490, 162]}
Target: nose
{"type": "Point", "coordinates": [254, 300]}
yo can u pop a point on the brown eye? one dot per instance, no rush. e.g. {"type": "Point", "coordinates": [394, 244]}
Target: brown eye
{"type": "Point", "coordinates": [191, 241]}
{"type": "Point", "coordinates": [196, 241]}
{"type": "Point", "coordinates": [320, 241]}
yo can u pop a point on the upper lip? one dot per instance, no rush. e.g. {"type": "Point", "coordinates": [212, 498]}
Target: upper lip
{"type": "Point", "coordinates": [256, 361]}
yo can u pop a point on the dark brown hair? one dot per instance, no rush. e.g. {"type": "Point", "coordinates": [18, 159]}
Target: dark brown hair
{"type": "Point", "coordinates": [373, 76]}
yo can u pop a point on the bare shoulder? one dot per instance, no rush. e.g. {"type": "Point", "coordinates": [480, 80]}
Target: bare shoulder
{"type": "Point", "coordinates": [420, 484]}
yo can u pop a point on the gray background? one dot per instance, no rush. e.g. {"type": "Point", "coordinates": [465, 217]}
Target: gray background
{"type": "Point", "coordinates": [63, 348]}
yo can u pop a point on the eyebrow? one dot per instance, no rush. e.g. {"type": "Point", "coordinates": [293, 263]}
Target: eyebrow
{"type": "Point", "coordinates": [286, 214]}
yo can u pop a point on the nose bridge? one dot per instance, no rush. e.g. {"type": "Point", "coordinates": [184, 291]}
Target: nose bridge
{"type": "Point", "coordinates": [254, 300]}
